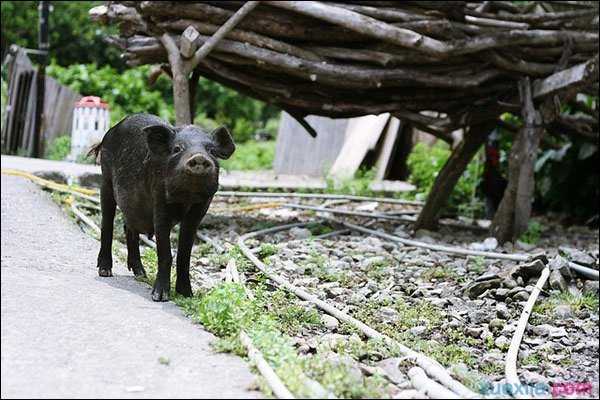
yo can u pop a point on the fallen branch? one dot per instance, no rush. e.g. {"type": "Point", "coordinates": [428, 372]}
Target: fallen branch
{"type": "Point", "coordinates": [511, 356]}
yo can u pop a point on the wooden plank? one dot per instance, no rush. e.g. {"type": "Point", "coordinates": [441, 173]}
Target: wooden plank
{"type": "Point", "coordinates": [387, 147]}
{"type": "Point", "coordinates": [362, 135]}
{"type": "Point", "coordinates": [298, 153]}
{"type": "Point", "coordinates": [577, 75]}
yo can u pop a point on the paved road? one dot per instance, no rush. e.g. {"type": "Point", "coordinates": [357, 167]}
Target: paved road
{"type": "Point", "coordinates": [68, 333]}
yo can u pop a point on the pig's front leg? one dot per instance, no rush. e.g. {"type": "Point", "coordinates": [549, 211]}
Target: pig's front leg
{"type": "Point", "coordinates": [162, 230]}
{"type": "Point", "coordinates": [187, 233]}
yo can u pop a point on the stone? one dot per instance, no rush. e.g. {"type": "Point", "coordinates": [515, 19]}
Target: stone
{"type": "Point", "coordinates": [54, 176]}
{"type": "Point", "coordinates": [300, 233]}
{"type": "Point", "coordinates": [577, 256]}
{"type": "Point", "coordinates": [509, 283]}
{"type": "Point", "coordinates": [557, 332]}
{"type": "Point", "coordinates": [390, 366]}
{"type": "Point", "coordinates": [541, 330]}
{"type": "Point", "coordinates": [521, 296]}
{"type": "Point", "coordinates": [90, 179]}
{"type": "Point", "coordinates": [501, 293]}
{"type": "Point", "coordinates": [561, 264]}
{"type": "Point", "coordinates": [418, 330]}
{"type": "Point", "coordinates": [527, 270]}
{"type": "Point", "coordinates": [330, 322]}
{"type": "Point", "coordinates": [476, 288]}
{"type": "Point", "coordinates": [473, 331]}
{"type": "Point", "coordinates": [388, 314]}
{"type": "Point", "coordinates": [502, 311]}
{"type": "Point", "coordinates": [563, 311]}
{"type": "Point", "coordinates": [557, 280]}
{"type": "Point", "coordinates": [488, 244]}
{"type": "Point", "coordinates": [590, 287]}
{"type": "Point", "coordinates": [524, 246]}
{"type": "Point", "coordinates": [502, 342]}
{"type": "Point", "coordinates": [496, 325]}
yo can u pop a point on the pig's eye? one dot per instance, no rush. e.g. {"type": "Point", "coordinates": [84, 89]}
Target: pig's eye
{"type": "Point", "coordinates": [177, 149]}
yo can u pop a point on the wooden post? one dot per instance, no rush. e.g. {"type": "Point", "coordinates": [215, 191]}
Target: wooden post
{"type": "Point", "coordinates": [450, 174]}
{"type": "Point", "coordinates": [43, 45]}
{"type": "Point", "coordinates": [512, 217]}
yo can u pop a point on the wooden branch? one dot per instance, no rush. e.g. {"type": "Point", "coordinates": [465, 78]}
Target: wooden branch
{"type": "Point", "coordinates": [576, 76]}
{"type": "Point", "coordinates": [181, 90]}
{"type": "Point", "coordinates": [221, 33]}
{"type": "Point", "coordinates": [510, 369]}
{"type": "Point", "coordinates": [187, 42]}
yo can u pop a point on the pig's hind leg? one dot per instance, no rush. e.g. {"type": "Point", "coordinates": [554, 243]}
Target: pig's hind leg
{"type": "Point", "coordinates": [134, 262]}
{"type": "Point", "coordinates": [108, 207]}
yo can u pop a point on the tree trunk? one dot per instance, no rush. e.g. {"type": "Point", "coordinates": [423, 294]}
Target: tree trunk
{"type": "Point", "coordinates": [512, 217]}
{"type": "Point", "coordinates": [451, 173]}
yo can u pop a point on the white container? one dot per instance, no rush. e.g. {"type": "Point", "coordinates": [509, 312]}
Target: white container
{"type": "Point", "coordinates": [91, 119]}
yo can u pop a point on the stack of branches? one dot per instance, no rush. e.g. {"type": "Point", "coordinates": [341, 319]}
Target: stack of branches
{"type": "Point", "coordinates": [460, 60]}
{"type": "Point", "coordinates": [439, 65]}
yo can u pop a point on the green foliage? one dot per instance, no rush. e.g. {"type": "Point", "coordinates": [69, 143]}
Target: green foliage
{"type": "Point", "coordinates": [125, 92]}
{"type": "Point", "coordinates": [59, 148]}
{"type": "Point", "coordinates": [357, 186]}
{"type": "Point", "coordinates": [533, 233]}
{"type": "Point", "coordinates": [74, 38]}
{"type": "Point", "coordinates": [267, 249]}
{"type": "Point", "coordinates": [251, 156]}
{"type": "Point", "coordinates": [425, 162]}
{"type": "Point", "coordinates": [290, 316]}
{"type": "Point", "coordinates": [225, 309]}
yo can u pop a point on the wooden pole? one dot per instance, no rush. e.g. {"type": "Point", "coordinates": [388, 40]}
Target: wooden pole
{"type": "Point", "coordinates": [43, 45]}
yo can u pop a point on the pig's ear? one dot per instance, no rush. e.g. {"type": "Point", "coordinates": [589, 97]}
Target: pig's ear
{"type": "Point", "coordinates": [159, 139]}
{"type": "Point", "coordinates": [225, 146]}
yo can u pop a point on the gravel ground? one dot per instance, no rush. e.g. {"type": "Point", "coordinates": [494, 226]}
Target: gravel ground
{"type": "Point", "coordinates": [462, 311]}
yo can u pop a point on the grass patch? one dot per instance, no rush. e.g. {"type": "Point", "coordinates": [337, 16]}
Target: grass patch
{"type": "Point", "coordinates": [533, 233]}
{"type": "Point", "coordinates": [267, 249]}
{"type": "Point", "coordinates": [251, 156]}
{"type": "Point", "coordinates": [357, 186]}
{"type": "Point", "coordinates": [439, 273]}
{"type": "Point", "coordinates": [581, 302]}
{"type": "Point", "coordinates": [476, 264]}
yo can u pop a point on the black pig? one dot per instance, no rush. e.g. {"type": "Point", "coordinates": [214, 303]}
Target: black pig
{"type": "Point", "coordinates": [159, 176]}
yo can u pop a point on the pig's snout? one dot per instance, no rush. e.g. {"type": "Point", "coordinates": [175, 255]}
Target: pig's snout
{"type": "Point", "coordinates": [199, 164]}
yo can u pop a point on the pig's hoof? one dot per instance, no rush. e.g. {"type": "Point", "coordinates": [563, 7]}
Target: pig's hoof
{"type": "Point", "coordinates": [138, 271]}
{"type": "Point", "coordinates": [184, 290]}
{"type": "Point", "coordinates": [159, 293]}
{"type": "Point", "coordinates": [105, 272]}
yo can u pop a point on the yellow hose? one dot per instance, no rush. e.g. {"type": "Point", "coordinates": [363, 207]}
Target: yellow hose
{"type": "Point", "coordinates": [47, 183]}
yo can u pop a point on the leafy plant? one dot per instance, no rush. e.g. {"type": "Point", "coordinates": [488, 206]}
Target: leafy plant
{"type": "Point", "coordinates": [425, 163]}
{"type": "Point", "coordinates": [59, 148]}
{"type": "Point", "coordinates": [533, 233]}
{"type": "Point", "coordinates": [251, 156]}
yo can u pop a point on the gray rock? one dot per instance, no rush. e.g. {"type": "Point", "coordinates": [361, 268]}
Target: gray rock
{"type": "Point", "coordinates": [330, 322]}
{"type": "Point", "coordinates": [527, 270]}
{"type": "Point", "coordinates": [502, 311]}
{"type": "Point", "coordinates": [577, 256]}
{"type": "Point", "coordinates": [541, 330]}
{"type": "Point", "coordinates": [524, 246]}
{"type": "Point", "coordinates": [388, 314]}
{"type": "Point", "coordinates": [521, 296]}
{"type": "Point", "coordinates": [590, 287]}
{"type": "Point", "coordinates": [502, 342]}
{"type": "Point", "coordinates": [473, 331]}
{"type": "Point", "coordinates": [561, 264]}
{"type": "Point", "coordinates": [90, 179]}
{"type": "Point", "coordinates": [476, 288]}
{"type": "Point", "coordinates": [55, 176]}
{"type": "Point", "coordinates": [300, 233]}
{"type": "Point", "coordinates": [390, 366]}
{"type": "Point", "coordinates": [557, 281]}
{"type": "Point", "coordinates": [557, 332]}
{"type": "Point", "coordinates": [501, 293]}
{"type": "Point", "coordinates": [509, 283]}
{"type": "Point", "coordinates": [418, 330]}
{"type": "Point", "coordinates": [496, 325]}
{"type": "Point", "coordinates": [563, 311]}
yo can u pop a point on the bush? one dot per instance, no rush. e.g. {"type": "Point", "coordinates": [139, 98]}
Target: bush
{"type": "Point", "coordinates": [59, 148]}
{"type": "Point", "coordinates": [127, 92]}
{"type": "Point", "coordinates": [251, 156]}
{"type": "Point", "coordinates": [426, 162]}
